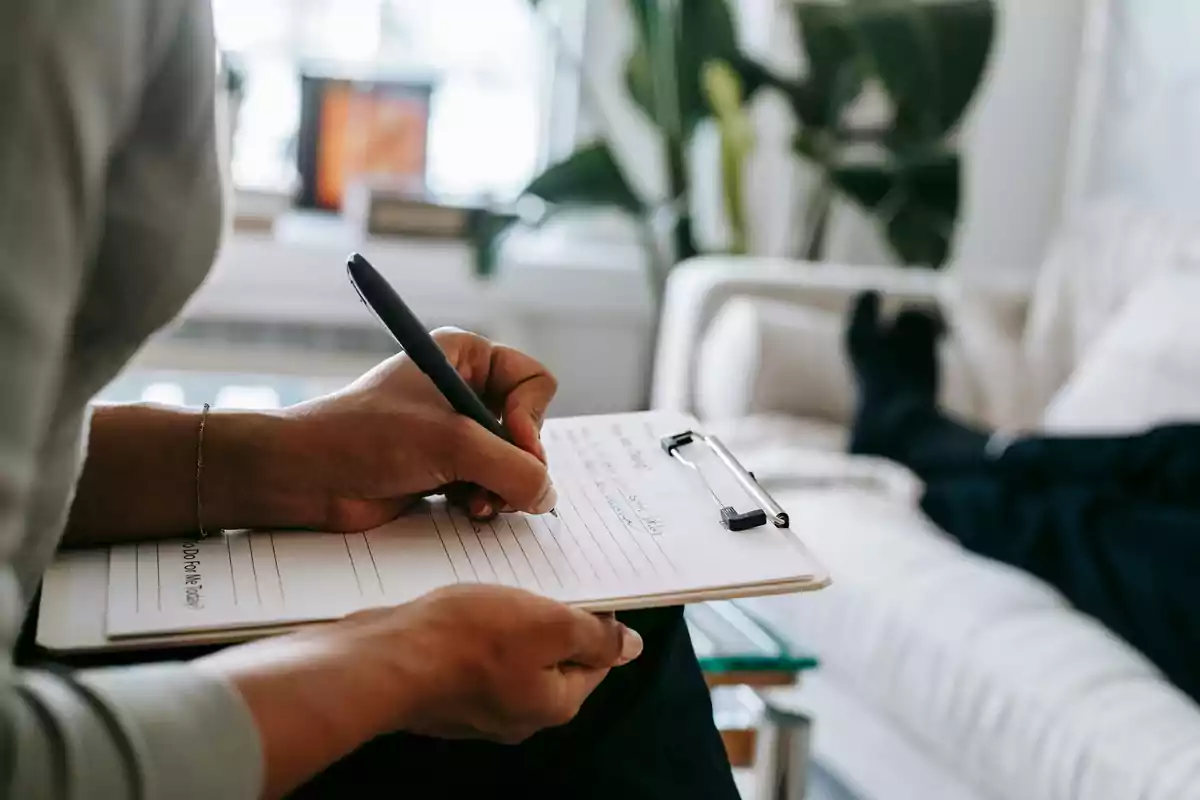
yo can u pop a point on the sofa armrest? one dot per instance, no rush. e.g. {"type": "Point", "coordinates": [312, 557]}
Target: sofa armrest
{"type": "Point", "coordinates": [698, 289]}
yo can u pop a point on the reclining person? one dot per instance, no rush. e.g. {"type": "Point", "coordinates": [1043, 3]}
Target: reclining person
{"type": "Point", "coordinates": [1113, 522]}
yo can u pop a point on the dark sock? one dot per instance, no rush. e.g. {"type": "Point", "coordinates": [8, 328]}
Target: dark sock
{"type": "Point", "coordinates": [896, 372]}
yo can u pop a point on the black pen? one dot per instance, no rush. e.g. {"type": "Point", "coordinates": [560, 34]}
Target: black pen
{"type": "Point", "coordinates": [408, 331]}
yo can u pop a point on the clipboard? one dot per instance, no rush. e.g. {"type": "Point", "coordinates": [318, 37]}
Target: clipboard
{"type": "Point", "coordinates": [694, 523]}
{"type": "Point", "coordinates": [731, 518]}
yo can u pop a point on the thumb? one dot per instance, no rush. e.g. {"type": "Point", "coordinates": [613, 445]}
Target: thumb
{"type": "Point", "coordinates": [599, 641]}
{"type": "Point", "coordinates": [484, 459]}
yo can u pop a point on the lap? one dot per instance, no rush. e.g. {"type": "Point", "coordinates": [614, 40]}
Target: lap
{"type": "Point", "coordinates": [646, 732]}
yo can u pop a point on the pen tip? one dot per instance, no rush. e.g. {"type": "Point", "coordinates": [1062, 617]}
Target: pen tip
{"type": "Point", "coordinates": [554, 511]}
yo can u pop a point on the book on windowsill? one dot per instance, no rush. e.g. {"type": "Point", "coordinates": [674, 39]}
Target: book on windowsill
{"type": "Point", "coordinates": [384, 208]}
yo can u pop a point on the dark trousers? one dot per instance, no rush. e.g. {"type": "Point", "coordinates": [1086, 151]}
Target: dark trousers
{"type": "Point", "coordinates": [1112, 522]}
{"type": "Point", "coordinates": [646, 732]}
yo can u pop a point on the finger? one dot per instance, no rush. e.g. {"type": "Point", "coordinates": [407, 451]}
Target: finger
{"type": "Point", "coordinates": [482, 504]}
{"type": "Point", "coordinates": [523, 415]}
{"type": "Point", "coordinates": [523, 388]}
{"type": "Point", "coordinates": [600, 641]}
{"type": "Point", "coordinates": [515, 385]}
{"type": "Point", "coordinates": [470, 353]}
{"type": "Point", "coordinates": [517, 476]}
{"type": "Point", "coordinates": [478, 503]}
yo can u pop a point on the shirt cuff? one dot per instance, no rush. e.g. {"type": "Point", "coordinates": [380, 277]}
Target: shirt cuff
{"type": "Point", "coordinates": [191, 734]}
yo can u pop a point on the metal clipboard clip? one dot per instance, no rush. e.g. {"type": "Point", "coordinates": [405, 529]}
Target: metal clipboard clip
{"type": "Point", "coordinates": [731, 518]}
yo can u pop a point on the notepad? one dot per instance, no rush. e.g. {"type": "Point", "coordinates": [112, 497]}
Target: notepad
{"type": "Point", "coordinates": [634, 528]}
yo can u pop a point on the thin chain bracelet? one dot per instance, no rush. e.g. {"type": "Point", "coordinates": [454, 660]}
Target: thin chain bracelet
{"type": "Point", "coordinates": [200, 472]}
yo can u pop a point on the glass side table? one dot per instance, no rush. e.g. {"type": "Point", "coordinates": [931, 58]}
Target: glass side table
{"type": "Point", "coordinates": [742, 658]}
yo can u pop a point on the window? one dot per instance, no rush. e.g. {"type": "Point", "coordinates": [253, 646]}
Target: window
{"type": "Point", "coordinates": [221, 389]}
{"type": "Point", "coordinates": [488, 60]}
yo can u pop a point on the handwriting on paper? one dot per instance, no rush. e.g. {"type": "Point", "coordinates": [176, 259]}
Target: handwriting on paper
{"type": "Point", "coordinates": [614, 464]}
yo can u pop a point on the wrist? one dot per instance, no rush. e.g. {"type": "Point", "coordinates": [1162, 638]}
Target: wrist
{"type": "Point", "coordinates": [311, 700]}
{"type": "Point", "coordinates": [252, 475]}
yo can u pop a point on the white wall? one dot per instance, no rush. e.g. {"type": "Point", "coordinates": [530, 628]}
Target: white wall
{"type": "Point", "coordinates": [582, 306]}
{"type": "Point", "coordinates": [1017, 138]}
{"type": "Point", "coordinates": [1143, 138]}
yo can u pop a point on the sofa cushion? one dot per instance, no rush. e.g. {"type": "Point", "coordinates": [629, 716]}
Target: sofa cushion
{"type": "Point", "coordinates": [768, 356]}
{"type": "Point", "coordinates": [822, 462]}
{"type": "Point", "coordinates": [765, 356]}
{"type": "Point", "coordinates": [1143, 369]}
{"type": "Point", "coordinates": [983, 664]}
{"type": "Point", "coordinates": [1100, 257]}
{"type": "Point", "coordinates": [986, 319]}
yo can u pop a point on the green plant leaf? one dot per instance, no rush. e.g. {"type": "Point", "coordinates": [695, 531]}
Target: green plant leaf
{"type": "Point", "coordinates": [588, 177]}
{"type": "Point", "coordinates": [591, 177]}
{"type": "Point", "coordinates": [930, 56]}
{"type": "Point", "coordinates": [835, 73]}
{"type": "Point", "coordinates": [646, 15]}
{"type": "Point", "coordinates": [723, 88]}
{"type": "Point", "coordinates": [915, 199]}
{"type": "Point", "coordinates": [639, 82]}
{"type": "Point", "coordinates": [650, 72]}
{"type": "Point", "coordinates": [674, 41]}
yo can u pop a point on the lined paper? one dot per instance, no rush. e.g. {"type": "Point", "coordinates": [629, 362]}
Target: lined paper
{"type": "Point", "coordinates": [632, 523]}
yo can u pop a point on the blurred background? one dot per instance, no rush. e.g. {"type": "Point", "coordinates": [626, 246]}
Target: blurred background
{"type": "Point", "coordinates": [410, 131]}
{"type": "Point", "coordinates": [671, 203]}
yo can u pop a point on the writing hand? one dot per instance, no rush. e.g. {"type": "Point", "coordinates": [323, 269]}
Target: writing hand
{"type": "Point", "coordinates": [355, 459]}
{"type": "Point", "coordinates": [464, 662]}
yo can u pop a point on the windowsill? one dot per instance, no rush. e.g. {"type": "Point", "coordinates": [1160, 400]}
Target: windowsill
{"type": "Point", "coordinates": [296, 273]}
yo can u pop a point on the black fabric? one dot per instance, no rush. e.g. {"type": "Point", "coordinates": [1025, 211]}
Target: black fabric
{"type": "Point", "coordinates": [1112, 522]}
{"type": "Point", "coordinates": [646, 732]}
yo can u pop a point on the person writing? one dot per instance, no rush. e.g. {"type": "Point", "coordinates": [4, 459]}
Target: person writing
{"type": "Point", "coordinates": [109, 219]}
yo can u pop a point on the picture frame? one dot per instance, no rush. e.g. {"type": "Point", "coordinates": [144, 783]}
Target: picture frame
{"type": "Point", "coordinates": [353, 129]}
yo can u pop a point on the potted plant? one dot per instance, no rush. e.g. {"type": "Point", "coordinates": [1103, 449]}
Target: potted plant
{"type": "Point", "coordinates": [921, 60]}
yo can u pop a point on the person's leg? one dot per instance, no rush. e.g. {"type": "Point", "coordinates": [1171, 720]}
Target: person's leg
{"type": "Point", "coordinates": [896, 372]}
{"type": "Point", "coordinates": [1127, 562]}
{"type": "Point", "coordinates": [1111, 522]}
{"type": "Point", "coordinates": [1161, 465]}
{"type": "Point", "coordinates": [896, 376]}
{"type": "Point", "coordinates": [647, 732]}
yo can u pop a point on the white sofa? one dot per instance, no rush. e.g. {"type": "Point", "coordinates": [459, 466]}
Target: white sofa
{"type": "Point", "coordinates": [944, 674]}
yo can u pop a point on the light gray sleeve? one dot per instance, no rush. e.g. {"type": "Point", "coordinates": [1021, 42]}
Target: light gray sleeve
{"type": "Point", "coordinates": [73, 74]}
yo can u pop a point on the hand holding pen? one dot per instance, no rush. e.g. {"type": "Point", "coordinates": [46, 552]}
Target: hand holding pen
{"type": "Point", "coordinates": [420, 346]}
